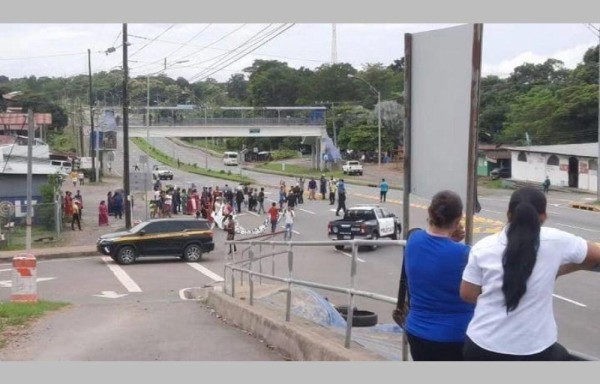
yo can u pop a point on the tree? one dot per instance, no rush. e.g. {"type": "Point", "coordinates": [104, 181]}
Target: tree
{"type": "Point", "coordinates": [237, 87]}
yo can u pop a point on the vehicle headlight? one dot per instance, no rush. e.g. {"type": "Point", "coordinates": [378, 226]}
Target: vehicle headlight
{"type": "Point", "coordinates": [335, 229]}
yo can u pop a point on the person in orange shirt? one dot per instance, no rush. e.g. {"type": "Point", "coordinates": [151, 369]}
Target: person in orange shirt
{"type": "Point", "coordinates": [274, 216]}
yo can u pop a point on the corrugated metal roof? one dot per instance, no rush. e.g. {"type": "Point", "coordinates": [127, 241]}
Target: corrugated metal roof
{"type": "Point", "coordinates": [583, 149]}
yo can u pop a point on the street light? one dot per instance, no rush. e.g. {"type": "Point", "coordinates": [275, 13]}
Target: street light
{"type": "Point", "coordinates": [378, 117]}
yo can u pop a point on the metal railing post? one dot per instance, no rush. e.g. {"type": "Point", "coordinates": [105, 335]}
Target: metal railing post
{"type": "Point", "coordinates": [350, 311]}
{"type": "Point", "coordinates": [232, 276]}
{"type": "Point", "coordinates": [260, 264]}
{"type": "Point", "coordinates": [250, 275]}
{"type": "Point", "coordinates": [288, 302]}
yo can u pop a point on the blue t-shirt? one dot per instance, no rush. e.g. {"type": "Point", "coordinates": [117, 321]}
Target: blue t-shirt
{"type": "Point", "coordinates": [434, 267]}
{"type": "Point", "coordinates": [384, 186]}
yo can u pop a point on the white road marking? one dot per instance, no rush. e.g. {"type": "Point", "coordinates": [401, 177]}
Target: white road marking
{"type": "Point", "coordinates": [121, 275]}
{"type": "Point", "coordinates": [350, 256]}
{"type": "Point", "coordinates": [6, 270]}
{"type": "Point", "coordinates": [205, 271]}
{"type": "Point", "coordinates": [254, 213]}
{"type": "Point", "coordinates": [570, 301]}
{"type": "Point", "coordinates": [111, 295]}
{"type": "Point", "coordinates": [574, 227]}
{"type": "Point", "coordinates": [304, 210]}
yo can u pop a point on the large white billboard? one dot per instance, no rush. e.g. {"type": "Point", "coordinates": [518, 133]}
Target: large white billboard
{"type": "Point", "coordinates": [440, 102]}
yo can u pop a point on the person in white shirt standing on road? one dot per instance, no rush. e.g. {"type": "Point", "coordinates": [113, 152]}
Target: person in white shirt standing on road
{"type": "Point", "coordinates": [510, 278]}
{"type": "Point", "coordinates": [289, 223]}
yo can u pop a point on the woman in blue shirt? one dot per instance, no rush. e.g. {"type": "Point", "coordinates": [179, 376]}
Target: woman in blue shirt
{"type": "Point", "coordinates": [437, 321]}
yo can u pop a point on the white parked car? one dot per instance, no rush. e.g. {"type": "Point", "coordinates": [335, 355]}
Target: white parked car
{"type": "Point", "coordinates": [352, 167]}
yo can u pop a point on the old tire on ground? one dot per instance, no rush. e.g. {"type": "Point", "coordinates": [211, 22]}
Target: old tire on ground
{"type": "Point", "coordinates": [192, 253]}
{"type": "Point", "coordinates": [359, 318]}
{"type": "Point", "coordinates": [339, 247]}
{"type": "Point", "coordinates": [126, 255]}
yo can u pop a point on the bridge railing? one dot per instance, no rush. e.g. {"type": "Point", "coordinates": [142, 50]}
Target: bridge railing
{"type": "Point", "coordinates": [230, 121]}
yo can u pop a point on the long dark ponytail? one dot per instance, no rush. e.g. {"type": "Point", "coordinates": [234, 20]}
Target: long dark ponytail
{"type": "Point", "coordinates": [523, 234]}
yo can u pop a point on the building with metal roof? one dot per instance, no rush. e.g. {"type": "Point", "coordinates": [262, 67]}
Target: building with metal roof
{"type": "Point", "coordinates": [567, 165]}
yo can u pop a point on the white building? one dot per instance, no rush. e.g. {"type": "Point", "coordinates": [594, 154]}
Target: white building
{"type": "Point", "coordinates": [567, 165]}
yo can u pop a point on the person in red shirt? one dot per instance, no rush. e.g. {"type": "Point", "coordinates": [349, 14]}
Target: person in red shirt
{"type": "Point", "coordinates": [274, 216]}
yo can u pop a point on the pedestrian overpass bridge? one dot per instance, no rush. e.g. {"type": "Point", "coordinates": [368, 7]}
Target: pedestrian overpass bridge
{"type": "Point", "coordinates": [311, 128]}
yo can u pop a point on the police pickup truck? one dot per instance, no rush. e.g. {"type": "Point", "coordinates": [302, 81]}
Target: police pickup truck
{"type": "Point", "coordinates": [365, 222]}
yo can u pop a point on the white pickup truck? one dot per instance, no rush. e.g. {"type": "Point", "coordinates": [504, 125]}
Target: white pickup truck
{"type": "Point", "coordinates": [162, 173]}
{"type": "Point", "coordinates": [352, 167]}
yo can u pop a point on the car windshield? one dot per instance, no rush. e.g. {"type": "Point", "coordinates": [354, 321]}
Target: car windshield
{"type": "Point", "coordinates": [138, 227]}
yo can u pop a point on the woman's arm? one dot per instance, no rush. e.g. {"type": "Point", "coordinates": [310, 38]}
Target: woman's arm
{"type": "Point", "coordinates": [591, 261]}
{"type": "Point", "coordinates": [469, 291]}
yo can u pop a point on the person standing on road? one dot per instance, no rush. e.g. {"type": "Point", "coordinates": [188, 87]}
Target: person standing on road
{"type": "Point", "coordinates": [435, 259]}
{"type": "Point", "coordinates": [118, 205]}
{"type": "Point", "coordinates": [341, 187]}
{"type": "Point", "coordinates": [102, 213]}
{"type": "Point", "coordinates": [312, 188]}
{"type": "Point", "coordinates": [332, 190]}
{"type": "Point", "coordinates": [510, 277]}
{"type": "Point", "coordinates": [289, 223]}
{"type": "Point", "coordinates": [273, 216]}
{"type": "Point", "coordinates": [301, 190]}
{"type": "Point", "coordinates": [81, 177]}
{"type": "Point", "coordinates": [230, 228]}
{"type": "Point", "coordinates": [383, 189]}
{"type": "Point", "coordinates": [323, 186]}
{"type": "Point", "coordinates": [76, 214]}
{"type": "Point", "coordinates": [546, 185]}
{"type": "Point", "coordinates": [261, 200]}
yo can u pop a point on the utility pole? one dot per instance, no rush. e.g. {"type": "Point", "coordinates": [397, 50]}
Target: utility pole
{"type": "Point", "coordinates": [126, 130]}
{"type": "Point", "coordinates": [93, 176]}
{"type": "Point", "coordinates": [30, 132]}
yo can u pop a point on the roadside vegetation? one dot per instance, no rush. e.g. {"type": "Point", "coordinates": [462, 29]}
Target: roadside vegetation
{"type": "Point", "coordinates": [188, 167]}
{"type": "Point", "coordinates": [16, 315]}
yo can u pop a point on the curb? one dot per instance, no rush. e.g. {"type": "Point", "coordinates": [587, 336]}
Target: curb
{"type": "Point", "coordinates": [587, 207]}
{"type": "Point", "coordinates": [47, 254]}
{"type": "Point", "coordinates": [299, 338]}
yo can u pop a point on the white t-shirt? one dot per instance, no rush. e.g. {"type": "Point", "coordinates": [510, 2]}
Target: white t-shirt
{"type": "Point", "coordinates": [531, 327]}
{"type": "Point", "coordinates": [289, 217]}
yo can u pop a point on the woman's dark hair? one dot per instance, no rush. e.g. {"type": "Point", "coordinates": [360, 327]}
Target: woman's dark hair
{"type": "Point", "coordinates": [445, 208]}
{"type": "Point", "coordinates": [523, 234]}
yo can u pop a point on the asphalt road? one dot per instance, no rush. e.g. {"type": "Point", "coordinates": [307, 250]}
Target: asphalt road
{"type": "Point", "coordinates": [154, 286]}
{"type": "Point", "coordinates": [576, 305]}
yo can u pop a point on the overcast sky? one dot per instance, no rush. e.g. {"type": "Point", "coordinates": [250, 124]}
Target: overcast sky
{"type": "Point", "coordinates": [198, 51]}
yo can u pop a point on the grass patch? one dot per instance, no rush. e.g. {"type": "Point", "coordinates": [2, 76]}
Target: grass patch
{"type": "Point", "coordinates": [188, 167]}
{"type": "Point", "coordinates": [16, 240]}
{"type": "Point", "coordinates": [207, 144]}
{"type": "Point", "coordinates": [19, 314]}
{"type": "Point", "coordinates": [489, 183]}
{"type": "Point", "coordinates": [298, 170]}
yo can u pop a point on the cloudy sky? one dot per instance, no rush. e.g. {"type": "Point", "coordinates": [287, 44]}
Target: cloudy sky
{"type": "Point", "coordinates": [199, 51]}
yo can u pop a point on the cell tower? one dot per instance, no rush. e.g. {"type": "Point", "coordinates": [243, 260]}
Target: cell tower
{"type": "Point", "coordinates": [333, 45]}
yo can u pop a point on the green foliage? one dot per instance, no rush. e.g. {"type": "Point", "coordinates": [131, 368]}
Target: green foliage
{"type": "Point", "coordinates": [283, 154]}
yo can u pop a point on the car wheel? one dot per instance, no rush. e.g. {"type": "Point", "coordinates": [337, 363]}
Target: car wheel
{"type": "Point", "coordinates": [192, 253]}
{"type": "Point", "coordinates": [360, 318]}
{"type": "Point", "coordinates": [375, 237]}
{"type": "Point", "coordinates": [396, 234]}
{"type": "Point", "coordinates": [126, 255]}
{"type": "Point", "coordinates": [339, 247]}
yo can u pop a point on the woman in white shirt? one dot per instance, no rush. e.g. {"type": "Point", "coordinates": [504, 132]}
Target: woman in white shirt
{"type": "Point", "coordinates": [289, 223]}
{"type": "Point", "coordinates": [510, 277]}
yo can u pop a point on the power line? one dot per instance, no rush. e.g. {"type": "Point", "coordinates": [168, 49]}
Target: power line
{"type": "Point", "coordinates": [250, 50]}
{"type": "Point", "coordinates": [154, 39]}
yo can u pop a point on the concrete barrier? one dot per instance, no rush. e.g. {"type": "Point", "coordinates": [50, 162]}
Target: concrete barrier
{"type": "Point", "coordinates": [300, 339]}
{"type": "Point", "coordinates": [24, 279]}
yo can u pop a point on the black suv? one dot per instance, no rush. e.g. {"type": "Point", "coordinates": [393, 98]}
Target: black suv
{"type": "Point", "coordinates": [187, 238]}
{"type": "Point", "coordinates": [500, 173]}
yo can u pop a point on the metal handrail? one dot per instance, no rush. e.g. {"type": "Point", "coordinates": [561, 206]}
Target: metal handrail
{"type": "Point", "coordinates": [245, 266]}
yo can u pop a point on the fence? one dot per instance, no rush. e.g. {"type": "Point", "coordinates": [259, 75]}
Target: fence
{"type": "Point", "coordinates": [246, 264]}
{"type": "Point", "coordinates": [46, 224]}
{"type": "Point", "coordinates": [249, 260]}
